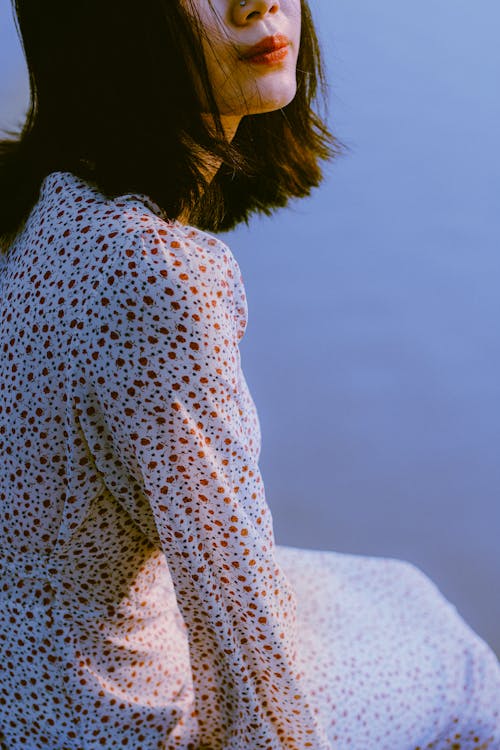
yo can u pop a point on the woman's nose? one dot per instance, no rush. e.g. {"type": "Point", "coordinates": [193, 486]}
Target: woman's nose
{"type": "Point", "coordinates": [246, 10]}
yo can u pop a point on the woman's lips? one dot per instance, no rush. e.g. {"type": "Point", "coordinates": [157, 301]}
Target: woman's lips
{"type": "Point", "coordinates": [269, 58]}
{"type": "Point", "coordinates": [269, 51]}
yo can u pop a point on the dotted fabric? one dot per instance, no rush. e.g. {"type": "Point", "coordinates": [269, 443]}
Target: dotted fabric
{"type": "Point", "coordinates": [144, 601]}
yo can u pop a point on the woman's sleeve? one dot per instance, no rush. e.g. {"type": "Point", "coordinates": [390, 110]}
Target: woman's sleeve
{"type": "Point", "coordinates": [163, 419]}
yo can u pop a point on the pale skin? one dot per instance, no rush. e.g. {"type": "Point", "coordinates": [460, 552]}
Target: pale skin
{"type": "Point", "coordinates": [242, 87]}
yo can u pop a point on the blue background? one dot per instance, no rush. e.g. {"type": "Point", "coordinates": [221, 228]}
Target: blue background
{"type": "Point", "coordinates": [373, 349]}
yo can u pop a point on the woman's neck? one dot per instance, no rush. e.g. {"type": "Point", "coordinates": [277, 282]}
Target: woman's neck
{"type": "Point", "coordinates": [209, 163]}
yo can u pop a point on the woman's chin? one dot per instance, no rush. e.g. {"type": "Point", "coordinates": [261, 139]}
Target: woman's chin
{"type": "Point", "coordinates": [272, 105]}
{"type": "Point", "coordinates": [266, 99]}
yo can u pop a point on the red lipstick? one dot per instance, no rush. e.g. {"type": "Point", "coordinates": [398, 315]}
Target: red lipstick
{"type": "Point", "coordinates": [271, 50]}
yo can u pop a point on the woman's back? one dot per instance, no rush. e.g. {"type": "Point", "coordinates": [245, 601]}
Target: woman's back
{"type": "Point", "coordinates": [86, 595]}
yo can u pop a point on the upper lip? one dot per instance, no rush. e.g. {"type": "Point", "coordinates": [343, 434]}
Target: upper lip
{"type": "Point", "coordinates": [269, 44]}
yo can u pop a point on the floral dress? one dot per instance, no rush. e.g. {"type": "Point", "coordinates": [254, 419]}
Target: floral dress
{"type": "Point", "coordinates": [144, 603]}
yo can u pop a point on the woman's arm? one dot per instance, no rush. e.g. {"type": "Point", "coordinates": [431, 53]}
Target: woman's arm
{"type": "Point", "coordinates": [161, 413]}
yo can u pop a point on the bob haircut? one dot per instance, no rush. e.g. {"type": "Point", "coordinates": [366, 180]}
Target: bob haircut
{"type": "Point", "coordinates": [113, 100]}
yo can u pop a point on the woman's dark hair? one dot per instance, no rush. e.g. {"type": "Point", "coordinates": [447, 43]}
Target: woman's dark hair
{"type": "Point", "coordinates": [113, 101]}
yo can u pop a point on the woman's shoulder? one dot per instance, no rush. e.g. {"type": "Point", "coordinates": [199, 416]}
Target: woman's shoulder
{"type": "Point", "coordinates": [77, 210]}
{"type": "Point", "coordinates": [123, 248]}
{"type": "Point", "coordinates": [111, 230]}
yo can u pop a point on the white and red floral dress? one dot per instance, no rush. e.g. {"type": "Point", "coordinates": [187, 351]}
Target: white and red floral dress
{"type": "Point", "coordinates": [144, 603]}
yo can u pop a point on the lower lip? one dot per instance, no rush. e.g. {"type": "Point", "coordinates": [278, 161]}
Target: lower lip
{"type": "Point", "coordinates": [269, 58]}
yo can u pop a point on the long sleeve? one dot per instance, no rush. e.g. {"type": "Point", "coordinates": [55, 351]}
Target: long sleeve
{"type": "Point", "coordinates": [159, 400]}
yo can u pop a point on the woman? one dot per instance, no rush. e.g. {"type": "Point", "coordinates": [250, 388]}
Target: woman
{"type": "Point", "coordinates": [145, 603]}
